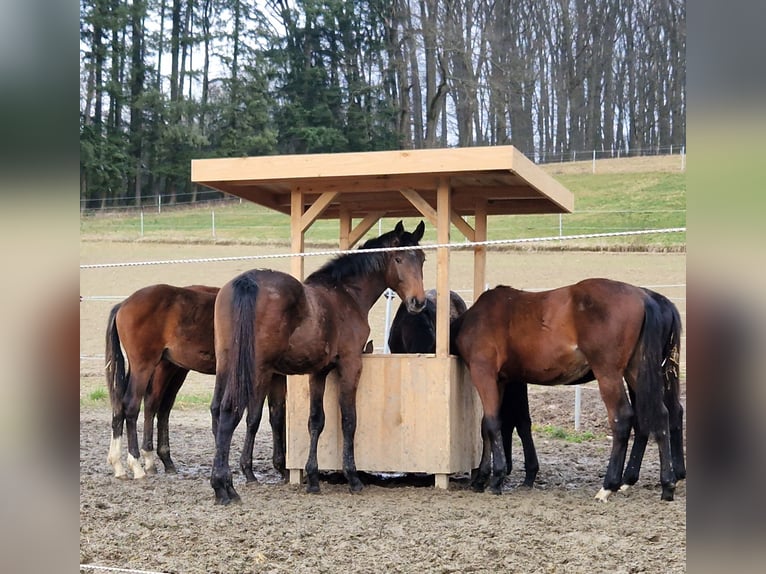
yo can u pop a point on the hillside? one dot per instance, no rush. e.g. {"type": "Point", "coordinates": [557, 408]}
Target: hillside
{"type": "Point", "coordinates": [623, 195]}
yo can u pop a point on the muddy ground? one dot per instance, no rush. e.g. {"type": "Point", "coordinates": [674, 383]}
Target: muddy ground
{"type": "Point", "coordinates": [169, 523]}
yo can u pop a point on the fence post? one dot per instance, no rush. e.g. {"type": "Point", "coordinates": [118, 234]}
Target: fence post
{"type": "Point", "coordinates": [683, 158]}
{"type": "Point", "coordinates": [578, 400]}
{"type": "Point", "coordinates": [594, 161]}
{"type": "Point", "coordinates": [561, 225]}
{"type": "Point", "coordinates": [159, 204]}
{"type": "Point", "coordinates": [142, 222]}
{"type": "Point", "coordinates": [212, 213]}
{"type": "Point", "coordinates": [389, 295]}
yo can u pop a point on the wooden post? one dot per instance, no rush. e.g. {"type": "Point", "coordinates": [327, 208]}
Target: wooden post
{"type": "Point", "coordinates": [296, 234]}
{"type": "Point", "coordinates": [344, 241]}
{"type": "Point", "coordinates": [296, 268]}
{"type": "Point", "coordinates": [443, 210]}
{"type": "Point", "coordinates": [480, 251]}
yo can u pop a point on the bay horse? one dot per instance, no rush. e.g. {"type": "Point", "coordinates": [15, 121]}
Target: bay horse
{"type": "Point", "coordinates": [417, 334]}
{"type": "Point", "coordinates": [514, 410]}
{"type": "Point", "coordinates": [268, 322]}
{"type": "Point", "coordinates": [166, 331]}
{"type": "Point", "coordinates": [598, 328]}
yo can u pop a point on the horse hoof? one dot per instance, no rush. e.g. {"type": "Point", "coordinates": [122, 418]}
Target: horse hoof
{"type": "Point", "coordinates": [151, 470]}
{"type": "Point", "coordinates": [312, 488]}
{"type": "Point", "coordinates": [603, 495]}
{"type": "Point", "coordinates": [477, 487]}
{"type": "Point", "coordinates": [668, 493]}
{"type": "Point", "coordinates": [121, 476]}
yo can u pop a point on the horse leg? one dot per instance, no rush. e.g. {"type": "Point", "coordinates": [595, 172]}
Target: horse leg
{"type": "Point", "coordinates": [620, 415]}
{"type": "Point", "coordinates": [676, 423]}
{"type": "Point", "coordinates": [277, 409]}
{"type": "Point", "coordinates": [507, 424]}
{"type": "Point", "coordinates": [484, 378]}
{"type": "Point", "coordinates": [163, 418]}
{"type": "Point", "coordinates": [220, 477]}
{"type": "Point", "coordinates": [524, 428]}
{"type": "Point", "coordinates": [253, 421]}
{"type": "Point", "coordinates": [138, 382]}
{"type": "Point", "coordinates": [151, 406]}
{"type": "Point", "coordinates": [640, 440]}
{"type": "Point", "coordinates": [316, 426]}
{"type": "Point", "coordinates": [347, 397]}
{"type": "Point", "coordinates": [115, 445]}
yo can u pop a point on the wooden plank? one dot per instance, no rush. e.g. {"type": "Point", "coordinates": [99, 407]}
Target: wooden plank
{"type": "Point", "coordinates": [420, 204]}
{"type": "Point", "coordinates": [316, 209]}
{"type": "Point", "coordinates": [364, 226]}
{"type": "Point", "coordinates": [463, 226]}
{"type": "Point", "coordinates": [541, 181]}
{"type": "Point", "coordinates": [357, 164]}
{"type": "Point", "coordinates": [442, 268]}
{"type": "Point", "coordinates": [406, 418]}
{"type": "Point", "coordinates": [296, 234]}
{"type": "Point", "coordinates": [345, 229]}
{"type": "Point", "coordinates": [479, 251]}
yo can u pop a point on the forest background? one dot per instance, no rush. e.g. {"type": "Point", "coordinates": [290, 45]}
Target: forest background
{"type": "Point", "coordinates": [166, 81]}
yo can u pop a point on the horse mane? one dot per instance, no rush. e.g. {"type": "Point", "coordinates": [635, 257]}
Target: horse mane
{"type": "Point", "coordinates": [345, 267]}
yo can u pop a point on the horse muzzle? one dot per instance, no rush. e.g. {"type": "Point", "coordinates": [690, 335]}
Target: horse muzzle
{"type": "Point", "coordinates": [415, 305]}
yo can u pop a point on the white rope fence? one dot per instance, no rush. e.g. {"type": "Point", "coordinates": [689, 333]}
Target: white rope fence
{"type": "Point", "coordinates": [464, 245]}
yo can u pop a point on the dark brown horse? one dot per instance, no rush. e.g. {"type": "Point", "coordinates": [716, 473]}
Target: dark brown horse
{"type": "Point", "coordinates": [166, 331]}
{"type": "Point", "coordinates": [304, 328]}
{"type": "Point", "coordinates": [514, 411]}
{"type": "Point", "coordinates": [597, 327]}
{"type": "Point", "coordinates": [417, 334]}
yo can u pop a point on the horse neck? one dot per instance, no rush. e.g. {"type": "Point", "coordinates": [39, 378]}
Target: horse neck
{"type": "Point", "coordinates": [366, 290]}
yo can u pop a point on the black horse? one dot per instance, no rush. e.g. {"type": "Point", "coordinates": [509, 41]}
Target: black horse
{"type": "Point", "coordinates": [417, 334]}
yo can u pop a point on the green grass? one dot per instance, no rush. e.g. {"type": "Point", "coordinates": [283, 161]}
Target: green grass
{"type": "Point", "coordinates": [98, 395]}
{"type": "Point", "coordinates": [603, 203]}
{"type": "Point", "coordinates": [564, 434]}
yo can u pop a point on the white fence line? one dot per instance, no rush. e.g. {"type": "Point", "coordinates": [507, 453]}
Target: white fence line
{"type": "Point", "coordinates": [336, 252]}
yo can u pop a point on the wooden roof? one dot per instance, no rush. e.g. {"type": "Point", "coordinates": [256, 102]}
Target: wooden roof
{"type": "Point", "coordinates": [384, 182]}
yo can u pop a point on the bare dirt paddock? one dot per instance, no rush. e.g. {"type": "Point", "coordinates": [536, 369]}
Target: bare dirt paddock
{"type": "Point", "coordinates": [171, 524]}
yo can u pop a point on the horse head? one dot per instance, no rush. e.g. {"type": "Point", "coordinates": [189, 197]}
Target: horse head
{"type": "Point", "coordinates": [404, 269]}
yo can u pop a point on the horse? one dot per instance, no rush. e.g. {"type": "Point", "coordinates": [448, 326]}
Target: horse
{"type": "Point", "coordinates": [597, 328]}
{"type": "Point", "coordinates": [166, 331]}
{"type": "Point", "coordinates": [417, 334]}
{"type": "Point", "coordinates": [514, 410]}
{"type": "Point", "coordinates": [311, 328]}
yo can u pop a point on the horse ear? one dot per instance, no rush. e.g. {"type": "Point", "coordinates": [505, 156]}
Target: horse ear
{"type": "Point", "coordinates": [399, 229]}
{"type": "Point", "coordinates": [419, 230]}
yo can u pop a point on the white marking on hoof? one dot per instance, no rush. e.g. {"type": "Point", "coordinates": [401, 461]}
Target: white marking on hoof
{"type": "Point", "coordinates": [135, 466]}
{"type": "Point", "coordinates": [603, 495]}
{"type": "Point", "coordinates": [624, 488]}
{"type": "Point", "coordinates": [149, 461]}
{"type": "Point", "coordinates": [113, 458]}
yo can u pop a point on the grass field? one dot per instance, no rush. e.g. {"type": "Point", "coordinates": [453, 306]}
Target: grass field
{"type": "Point", "coordinates": [623, 195]}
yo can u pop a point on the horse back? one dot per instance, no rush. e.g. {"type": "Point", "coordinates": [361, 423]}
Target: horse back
{"type": "Point", "coordinates": [165, 321]}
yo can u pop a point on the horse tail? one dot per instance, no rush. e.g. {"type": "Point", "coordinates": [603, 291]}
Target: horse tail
{"type": "Point", "coordinates": [116, 381]}
{"type": "Point", "coordinates": [671, 354]}
{"type": "Point", "coordinates": [242, 351]}
{"type": "Point", "coordinates": [650, 407]}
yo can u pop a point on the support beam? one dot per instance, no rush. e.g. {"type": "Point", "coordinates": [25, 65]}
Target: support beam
{"type": "Point", "coordinates": [480, 251]}
{"type": "Point", "coordinates": [420, 204]}
{"type": "Point", "coordinates": [345, 229]}
{"type": "Point", "coordinates": [316, 209]}
{"type": "Point", "coordinates": [443, 208]}
{"type": "Point", "coordinates": [364, 226]}
{"type": "Point", "coordinates": [296, 234]}
{"type": "Point", "coordinates": [462, 225]}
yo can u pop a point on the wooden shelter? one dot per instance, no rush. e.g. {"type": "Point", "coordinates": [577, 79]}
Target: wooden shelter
{"type": "Point", "coordinates": [416, 413]}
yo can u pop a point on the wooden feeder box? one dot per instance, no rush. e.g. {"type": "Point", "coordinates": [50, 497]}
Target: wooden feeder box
{"type": "Point", "coordinates": [415, 413]}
